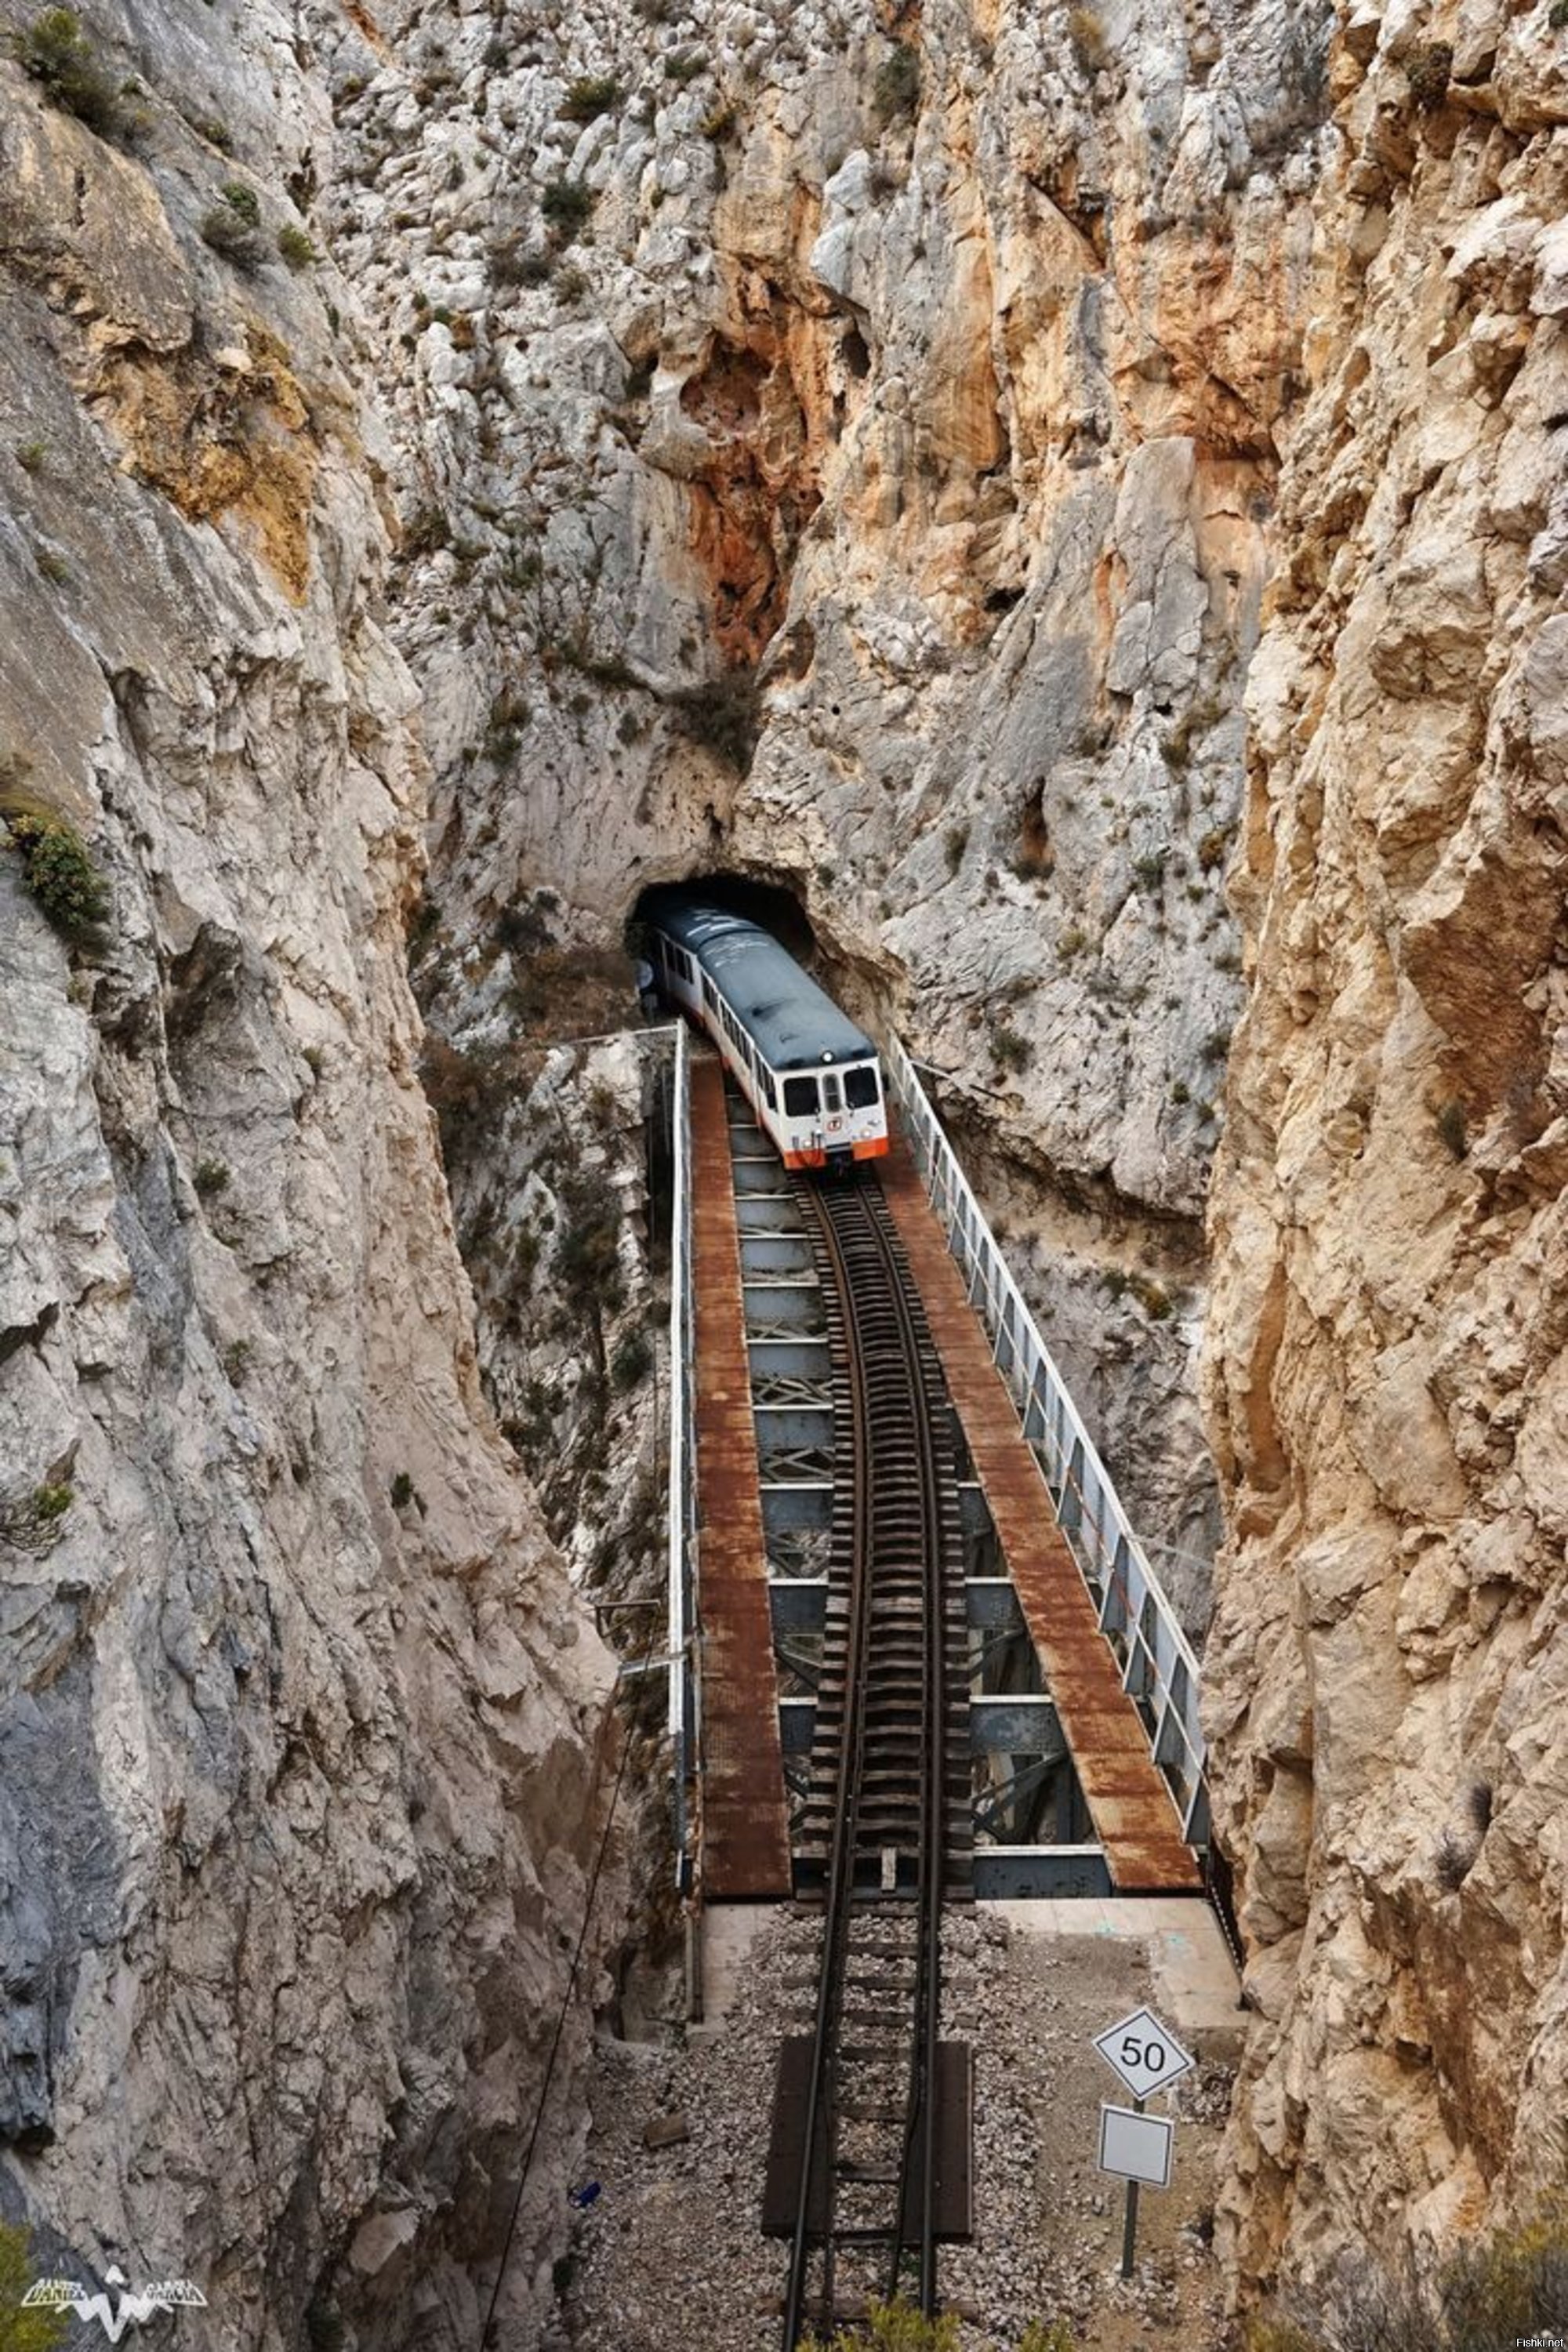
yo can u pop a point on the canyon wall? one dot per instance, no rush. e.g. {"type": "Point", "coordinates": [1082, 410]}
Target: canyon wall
{"type": "Point", "coordinates": [300, 1726]}
{"type": "Point", "coordinates": [841, 452]}
{"type": "Point", "coordinates": [1388, 1670]}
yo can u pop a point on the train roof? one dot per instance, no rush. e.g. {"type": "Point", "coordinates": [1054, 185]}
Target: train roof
{"type": "Point", "coordinates": [794, 1023]}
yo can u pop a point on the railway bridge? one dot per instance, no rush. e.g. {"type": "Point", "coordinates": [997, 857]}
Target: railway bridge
{"type": "Point", "coordinates": [917, 1654]}
{"type": "Point", "coordinates": [1082, 1694]}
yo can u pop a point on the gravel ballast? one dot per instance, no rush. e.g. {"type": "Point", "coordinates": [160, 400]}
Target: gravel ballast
{"type": "Point", "coordinates": [669, 2252]}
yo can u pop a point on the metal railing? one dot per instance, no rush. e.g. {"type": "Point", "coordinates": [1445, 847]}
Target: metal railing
{"type": "Point", "coordinates": [683, 1517]}
{"type": "Point", "coordinates": [1159, 1671]}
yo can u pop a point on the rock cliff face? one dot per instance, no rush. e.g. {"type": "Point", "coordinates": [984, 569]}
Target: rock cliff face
{"type": "Point", "coordinates": [841, 450]}
{"type": "Point", "coordinates": [1387, 1676]}
{"type": "Point", "coordinates": [901, 395]}
{"type": "Point", "coordinates": [299, 1729]}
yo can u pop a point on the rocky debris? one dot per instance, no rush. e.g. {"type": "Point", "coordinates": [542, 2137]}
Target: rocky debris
{"type": "Point", "coordinates": [677, 2228]}
{"type": "Point", "coordinates": [1386, 1680]}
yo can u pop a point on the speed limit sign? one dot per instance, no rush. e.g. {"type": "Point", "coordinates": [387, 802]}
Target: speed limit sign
{"type": "Point", "coordinates": [1143, 2053]}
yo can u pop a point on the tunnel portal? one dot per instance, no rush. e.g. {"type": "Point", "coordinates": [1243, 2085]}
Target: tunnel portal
{"type": "Point", "coordinates": [772, 905]}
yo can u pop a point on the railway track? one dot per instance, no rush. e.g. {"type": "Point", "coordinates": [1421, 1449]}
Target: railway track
{"type": "Point", "coordinates": [879, 2105]}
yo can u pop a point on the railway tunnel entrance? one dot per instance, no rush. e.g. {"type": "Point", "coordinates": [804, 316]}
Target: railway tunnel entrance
{"type": "Point", "coordinates": [772, 905]}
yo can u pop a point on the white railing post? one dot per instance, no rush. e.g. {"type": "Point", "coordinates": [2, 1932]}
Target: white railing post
{"type": "Point", "coordinates": [1126, 1591]}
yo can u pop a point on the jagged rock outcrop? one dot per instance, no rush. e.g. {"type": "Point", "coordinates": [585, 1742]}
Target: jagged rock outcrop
{"type": "Point", "coordinates": [932, 367]}
{"type": "Point", "coordinates": [298, 1729]}
{"type": "Point", "coordinates": [1387, 1674]}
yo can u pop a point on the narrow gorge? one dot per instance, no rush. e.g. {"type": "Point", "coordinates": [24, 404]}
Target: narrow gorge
{"type": "Point", "coordinates": [1070, 503]}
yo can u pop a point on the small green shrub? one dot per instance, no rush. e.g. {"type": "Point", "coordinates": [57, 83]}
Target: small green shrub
{"type": "Point", "coordinates": [514, 264]}
{"type": "Point", "coordinates": [1071, 942]}
{"type": "Point", "coordinates": [52, 567]}
{"type": "Point", "coordinates": [587, 1258]}
{"type": "Point", "coordinates": [229, 232]}
{"type": "Point", "coordinates": [61, 875]}
{"type": "Point", "coordinates": [243, 199]}
{"type": "Point", "coordinates": [236, 1358]}
{"type": "Point", "coordinates": [896, 92]}
{"type": "Point", "coordinates": [30, 456]}
{"type": "Point", "coordinates": [718, 121]}
{"type": "Point", "coordinates": [1086, 33]}
{"type": "Point", "coordinates": [1557, 14]}
{"type": "Point", "coordinates": [1149, 869]}
{"type": "Point", "coordinates": [954, 844]}
{"type": "Point", "coordinates": [1429, 70]}
{"type": "Point", "coordinates": [1451, 1127]}
{"type": "Point", "coordinates": [210, 1178]}
{"type": "Point", "coordinates": [1451, 1863]}
{"type": "Point", "coordinates": [325, 2328]}
{"type": "Point", "coordinates": [1010, 1050]}
{"type": "Point", "coordinates": [295, 247]}
{"type": "Point", "coordinates": [588, 97]}
{"type": "Point", "coordinates": [1512, 2289]}
{"type": "Point", "coordinates": [215, 133]}
{"type": "Point", "coordinates": [891, 2328]}
{"type": "Point", "coordinates": [683, 66]}
{"type": "Point", "coordinates": [724, 715]}
{"type": "Point", "coordinates": [632, 1360]}
{"type": "Point", "coordinates": [1212, 848]}
{"type": "Point", "coordinates": [1042, 2336]}
{"type": "Point", "coordinates": [566, 204]}
{"type": "Point", "coordinates": [52, 1501]}
{"type": "Point", "coordinates": [56, 52]}
{"type": "Point", "coordinates": [21, 2330]}
{"type": "Point", "coordinates": [402, 1491]}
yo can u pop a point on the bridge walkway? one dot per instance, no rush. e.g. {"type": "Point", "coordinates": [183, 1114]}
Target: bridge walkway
{"type": "Point", "coordinates": [1129, 1802]}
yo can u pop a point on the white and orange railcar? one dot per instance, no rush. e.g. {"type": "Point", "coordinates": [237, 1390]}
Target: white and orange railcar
{"type": "Point", "coordinates": [812, 1078]}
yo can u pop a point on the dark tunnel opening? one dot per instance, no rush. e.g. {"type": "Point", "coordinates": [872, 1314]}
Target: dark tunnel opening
{"type": "Point", "coordinates": [768, 904]}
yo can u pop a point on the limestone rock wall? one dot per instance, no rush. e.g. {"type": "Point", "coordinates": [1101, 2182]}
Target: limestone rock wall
{"type": "Point", "coordinates": [901, 390]}
{"type": "Point", "coordinates": [1387, 1673]}
{"type": "Point", "coordinates": [298, 1729]}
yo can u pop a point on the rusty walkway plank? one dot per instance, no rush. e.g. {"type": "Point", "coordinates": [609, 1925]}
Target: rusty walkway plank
{"type": "Point", "coordinates": [745, 1820]}
{"type": "Point", "coordinates": [1129, 1802]}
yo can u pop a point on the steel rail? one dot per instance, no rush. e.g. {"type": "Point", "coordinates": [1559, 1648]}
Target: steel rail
{"type": "Point", "coordinates": [933, 1801]}
{"type": "Point", "coordinates": [883, 1348]}
{"type": "Point", "coordinates": [840, 1889]}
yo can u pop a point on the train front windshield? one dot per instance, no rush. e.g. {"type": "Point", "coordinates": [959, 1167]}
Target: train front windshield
{"type": "Point", "coordinates": [860, 1086]}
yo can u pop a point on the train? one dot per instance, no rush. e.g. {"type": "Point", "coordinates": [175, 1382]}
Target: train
{"type": "Point", "coordinates": [812, 1078]}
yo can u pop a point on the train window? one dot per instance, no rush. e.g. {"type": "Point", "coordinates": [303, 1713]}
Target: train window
{"type": "Point", "coordinates": [709, 995]}
{"type": "Point", "coordinates": [800, 1097]}
{"type": "Point", "coordinates": [766, 1080]}
{"type": "Point", "coordinates": [831, 1097]}
{"type": "Point", "coordinates": [860, 1086]}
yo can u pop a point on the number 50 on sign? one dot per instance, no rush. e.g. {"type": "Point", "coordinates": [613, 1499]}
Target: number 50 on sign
{"type": "Point", "coordinates": [1143, 2053]}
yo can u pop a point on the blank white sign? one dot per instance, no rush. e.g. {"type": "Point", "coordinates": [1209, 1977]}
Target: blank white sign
{"type": "Point", "coordinates": [1135, 2147]}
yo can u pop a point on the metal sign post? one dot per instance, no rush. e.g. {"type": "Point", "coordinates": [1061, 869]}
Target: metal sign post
{"type": "Point", "coordinates": [1147, 2057]}
{"type": "Point", "coordinates": [1130, 2214]}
